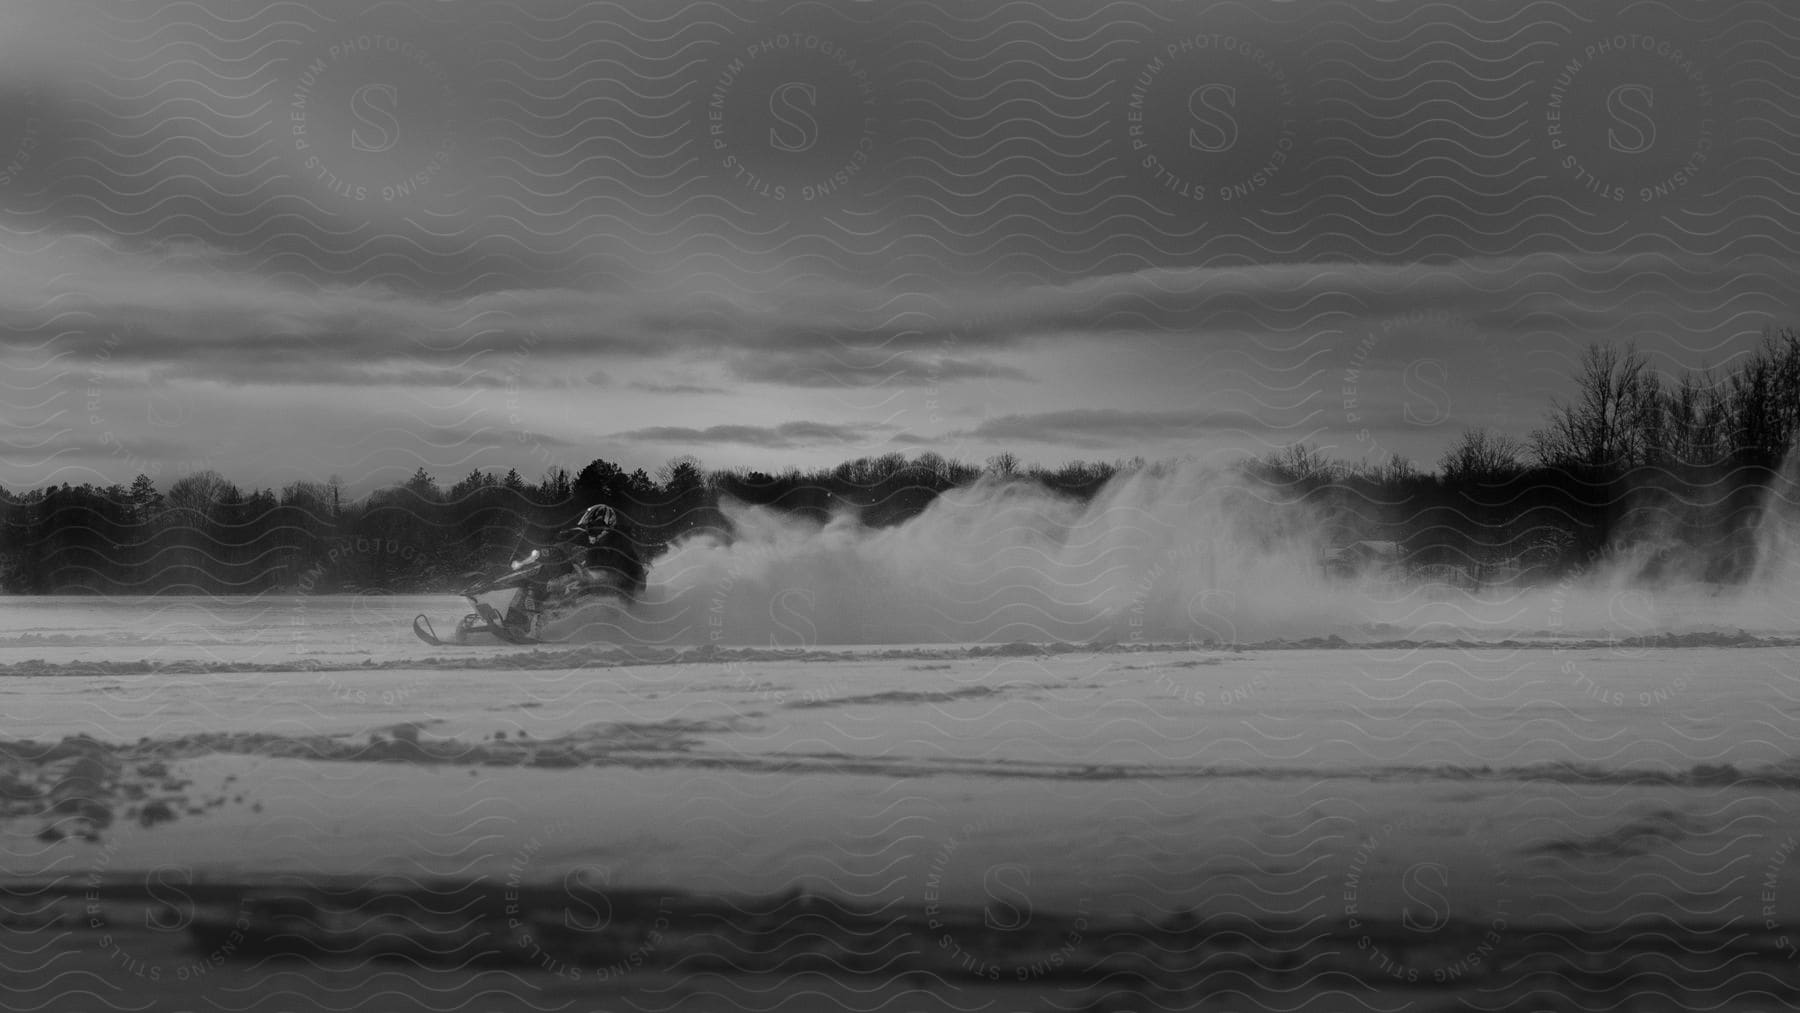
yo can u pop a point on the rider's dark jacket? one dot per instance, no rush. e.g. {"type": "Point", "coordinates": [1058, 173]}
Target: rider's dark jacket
{"type": "Point", "coordinates": [613, 549]}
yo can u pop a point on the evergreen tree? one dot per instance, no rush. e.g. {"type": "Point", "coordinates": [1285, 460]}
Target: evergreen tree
{"type": "Point", "coordinates": [146, 502]}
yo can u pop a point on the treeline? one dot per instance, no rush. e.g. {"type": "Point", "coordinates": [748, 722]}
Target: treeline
{"type": "Point", "coordinates": [204, 534]}
{"type": "Point", "coordinates": [1671, 475]}
{"type": "Point", "coordinates": [1676, 472]}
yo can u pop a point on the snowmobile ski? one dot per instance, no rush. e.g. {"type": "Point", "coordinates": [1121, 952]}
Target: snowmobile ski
{"type": "Point", "coordinates": [485, 619]}
{"type": "Point", "coordinates": [422, 627]}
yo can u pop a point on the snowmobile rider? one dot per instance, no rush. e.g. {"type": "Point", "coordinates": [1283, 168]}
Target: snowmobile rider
{"type": "Point", "coordinates": [601, 544]}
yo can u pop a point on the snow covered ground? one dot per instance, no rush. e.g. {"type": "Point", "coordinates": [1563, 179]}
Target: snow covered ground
{"type": "Point", "coordinates": [1614, 786]}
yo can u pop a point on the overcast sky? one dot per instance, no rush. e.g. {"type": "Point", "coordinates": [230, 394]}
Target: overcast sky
{"type": "Point", "coordinates": [287, 240]}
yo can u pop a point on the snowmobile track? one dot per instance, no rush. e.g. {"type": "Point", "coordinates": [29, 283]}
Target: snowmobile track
{"type": "Point", "coordinates": [422, 628]}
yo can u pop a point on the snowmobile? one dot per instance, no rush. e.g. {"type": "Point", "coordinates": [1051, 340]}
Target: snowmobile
{"type": "Point", "coordinates": [546, 584]}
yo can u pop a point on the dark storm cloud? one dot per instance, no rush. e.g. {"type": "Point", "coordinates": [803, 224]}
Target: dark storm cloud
{"type": "Point", "coordinates": [1110, 427]}
{"type": "Point", "coordinates": [197, 309]}
{"type": "Point", "coordinates": [653, 387]}
{"type": "Point", "coordinates": [857, 367]}
{"type": "Point", "coordinates": [1059, 133]}
{"type": "Point", "coordinates": [485, 372]}
{"type": "Point", "coordinates": [785, 435]}
{"type": "Point", "coordinates": [1040, 140]}
{"type": "Point", "coordinates": [485, 435]}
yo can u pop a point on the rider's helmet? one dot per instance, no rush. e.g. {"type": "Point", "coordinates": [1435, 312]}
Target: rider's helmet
{"type": "Point", "coordinates": [598, 518]}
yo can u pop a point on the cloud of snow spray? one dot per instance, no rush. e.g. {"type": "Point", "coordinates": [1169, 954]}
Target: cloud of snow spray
{"type": "Point", "coordinates": [1168, 553]}
{"type": "Point", "coordinates": [1159, 553]}
{"type": "Point", "coordinates": [1777, 578]}
{"type": "Point", "coordinates": [1653, 586]}
{"type": "Point", "coordinates": [1176, 552]}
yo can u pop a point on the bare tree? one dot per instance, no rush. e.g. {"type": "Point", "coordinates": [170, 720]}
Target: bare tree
{"type": "Point", "coordinates": [557, 485]}
{"type": "Point", "coordinates": [1698, 415]}
{"type": "Point", "coordinates": [1614, 419]}
{"type": "Point", "coordinates": [682, 475]}
{"type": "Point", "coordinates": [1299, 463]}
{"type": "Point", "coordinates": [1765, 400]}
{"type": "Point", "coordinates": [1396, 470]}
{"type": "Point", "coordinates": [1482, 455]}
{"type": "Point", "coordinates": [200, 492]}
